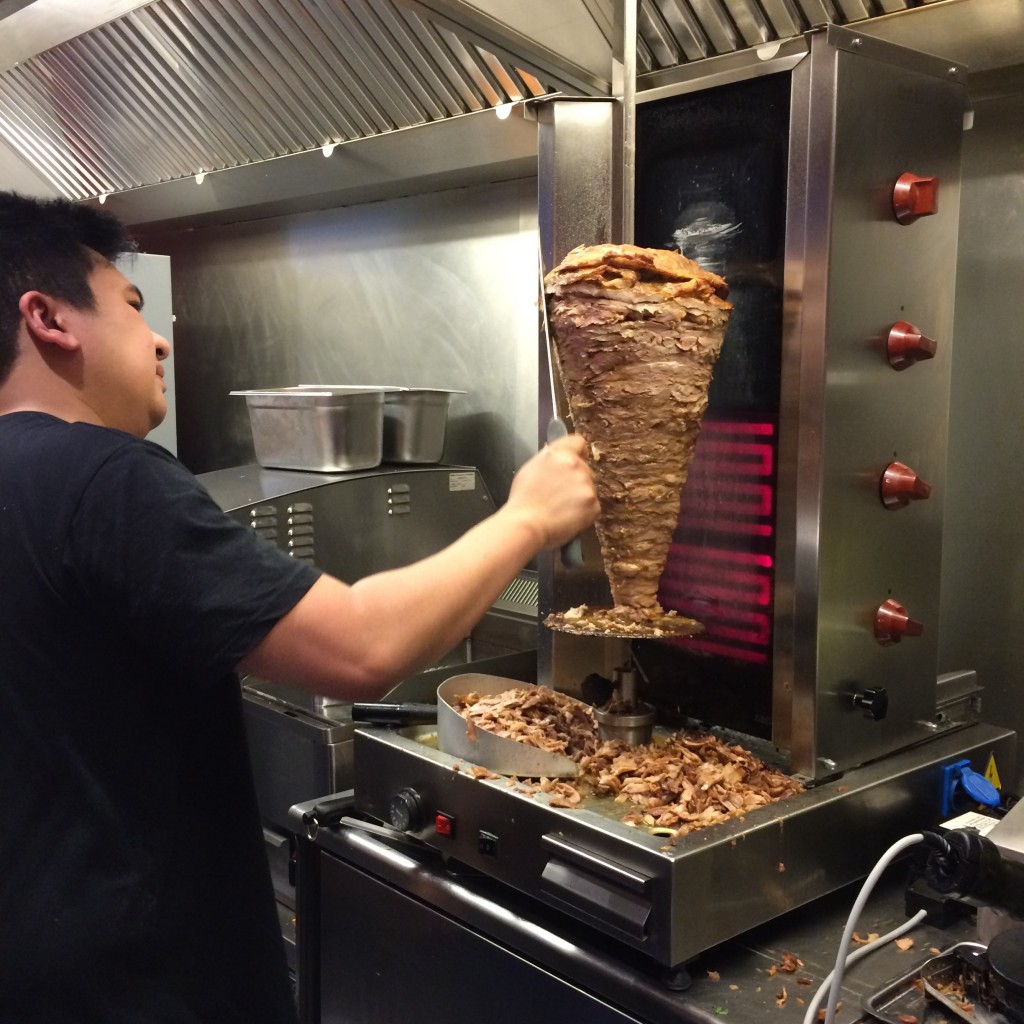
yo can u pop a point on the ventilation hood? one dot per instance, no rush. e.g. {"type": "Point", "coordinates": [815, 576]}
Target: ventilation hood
{"type": "Point", "coordinates": [115, 97]}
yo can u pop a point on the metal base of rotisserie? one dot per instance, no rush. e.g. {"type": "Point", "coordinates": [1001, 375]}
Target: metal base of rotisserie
{"type": "Point", "coordinates": [634, 727]}
{"type": "Point", "coordinates": [670, 901]}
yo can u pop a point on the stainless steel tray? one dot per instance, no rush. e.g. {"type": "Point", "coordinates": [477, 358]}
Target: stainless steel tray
{"type": "Point", "coordinates": [324, 429]}
{"type": "Point", "coordinates": [925, 992]}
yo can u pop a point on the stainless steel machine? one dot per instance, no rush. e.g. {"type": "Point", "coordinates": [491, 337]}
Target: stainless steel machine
{"type": "Point", "coordinates": [821, 178]}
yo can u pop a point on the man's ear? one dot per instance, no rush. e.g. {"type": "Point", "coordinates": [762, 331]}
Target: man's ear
{"type": "Point", "coordinates": [47, 320]}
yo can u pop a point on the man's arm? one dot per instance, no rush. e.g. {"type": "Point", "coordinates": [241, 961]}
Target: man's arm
{"type": "Point", "coordinates": [355, 642]}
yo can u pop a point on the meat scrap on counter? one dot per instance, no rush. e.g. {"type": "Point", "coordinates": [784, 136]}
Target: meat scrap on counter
{"type": "Point", "coordinates": [680, 786]}
{"type": "Point", "coordinates": [687, 783]}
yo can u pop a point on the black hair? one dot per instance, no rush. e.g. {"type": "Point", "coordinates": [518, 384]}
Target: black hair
{"type": "Point", "coordinates": [50, 245]}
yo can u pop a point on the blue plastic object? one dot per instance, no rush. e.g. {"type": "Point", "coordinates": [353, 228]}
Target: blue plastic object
{"type": "Point", "coordinates": [961, 776]}
{"type": "Point", "coordinates": [978, 788]}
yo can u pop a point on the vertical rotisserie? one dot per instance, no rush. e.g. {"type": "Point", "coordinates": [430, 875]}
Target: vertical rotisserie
{"type": "Point", "coordinates": [636, 333]}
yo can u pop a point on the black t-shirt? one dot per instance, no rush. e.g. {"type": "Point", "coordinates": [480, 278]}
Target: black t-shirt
{"type": "Point", "coordinates": [133, 880]}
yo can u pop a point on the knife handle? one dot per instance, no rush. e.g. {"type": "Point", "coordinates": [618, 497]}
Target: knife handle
{"type": "Point", "coordinates": [571, 553]}
{"type": "Point", "coordinates": [394, 714]}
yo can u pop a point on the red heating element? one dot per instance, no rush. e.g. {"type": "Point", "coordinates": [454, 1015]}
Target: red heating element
{"type": "Point", "coordinates": [720, 566]}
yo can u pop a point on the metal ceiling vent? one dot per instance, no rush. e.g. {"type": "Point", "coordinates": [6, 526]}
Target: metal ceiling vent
{"type": "Point", "coordinates": [181, 87]}
{"type": "Point", "coordinates": [165, 89]}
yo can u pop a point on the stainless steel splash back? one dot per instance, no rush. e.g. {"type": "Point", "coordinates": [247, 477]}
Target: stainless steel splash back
{"type": "Point", "coordinates": [186, 86]}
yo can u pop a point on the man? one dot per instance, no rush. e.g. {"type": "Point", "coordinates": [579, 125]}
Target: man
{"type": "Point", "coordinates": [133, 883]}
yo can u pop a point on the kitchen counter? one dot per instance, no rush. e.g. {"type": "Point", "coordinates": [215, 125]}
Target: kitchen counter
{"type": "Point", "coordinates": [377, 904]}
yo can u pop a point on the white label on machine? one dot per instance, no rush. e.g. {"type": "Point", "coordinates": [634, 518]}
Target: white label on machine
{"type": "Point", "coordinates": [981, 823]}
{"type": "Point", "coordinates": [462, 481]}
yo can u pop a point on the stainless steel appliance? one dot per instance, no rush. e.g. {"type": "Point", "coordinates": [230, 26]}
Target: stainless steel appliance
{"type": "Point", "coordinates": [823, 183]}
{"type": "Point", "coordinates": [822, 180]}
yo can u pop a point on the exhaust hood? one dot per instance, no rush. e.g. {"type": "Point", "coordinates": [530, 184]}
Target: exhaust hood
{"type": "Point", "coordinates": [120, 95]}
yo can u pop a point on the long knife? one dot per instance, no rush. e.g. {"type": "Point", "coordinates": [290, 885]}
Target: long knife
{"type": "Point", "coordinates": [572, 553]}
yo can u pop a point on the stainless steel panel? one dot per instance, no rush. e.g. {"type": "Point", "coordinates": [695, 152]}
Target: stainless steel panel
{"type": "Point", "coordinates": [218, 84]}
{"type": "Point", "coordinates": [294, 756]}
{"type": "Point", "coordinates": [351, 515]}
{"type": "Point", "coordinates": [390, 880]}
{"type": "Point", "coordinates": [878, 272]}
{"type": "Point", "coordinates": [983, 543]}
{"type": "Point", "coordinates": [852, 271]}
{"type": "Point", "coordinates": [467, 974]}
{"type": "Point", "coordinates": [133, 95]}
{"type": "Point", "coordinates": [348, 296]}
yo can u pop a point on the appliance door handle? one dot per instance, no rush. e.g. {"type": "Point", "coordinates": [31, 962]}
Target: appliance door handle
{"type": "Point", "coordinates": [616, 897]}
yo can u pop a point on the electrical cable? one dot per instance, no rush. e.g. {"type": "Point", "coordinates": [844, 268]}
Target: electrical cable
{"type": "Point", "coordinates": [851, 923]}
{"type": "Point", "coordinates": [812, 1011]}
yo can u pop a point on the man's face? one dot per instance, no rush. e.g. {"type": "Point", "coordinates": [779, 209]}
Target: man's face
{"type": "Point", "coordinates": [122, 379]}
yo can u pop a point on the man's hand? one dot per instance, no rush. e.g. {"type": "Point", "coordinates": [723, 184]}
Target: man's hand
{"type": "Point", "coordinates": [554, 491]}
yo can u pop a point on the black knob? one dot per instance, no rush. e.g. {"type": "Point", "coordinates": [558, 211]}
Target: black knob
{"type": "Point", "coordinates": [874, 701]}
{"type": "Point", "coordinates": [406, 811]}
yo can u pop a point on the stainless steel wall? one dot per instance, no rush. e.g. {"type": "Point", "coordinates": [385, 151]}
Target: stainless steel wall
{"type": "Point", "coordinates": [436, 290]}
{"type": "Point", "coordinates": [982, 615]}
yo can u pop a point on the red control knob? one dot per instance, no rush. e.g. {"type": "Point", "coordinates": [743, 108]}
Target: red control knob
{"type": "Point", "coordinates": [900, 485]}
{"type": "Point", "coordinates": [906, 345]}
{"type": "Point", "coordinates": [914, 196]}
{"type": "Point", "coordinates": [892, 623]}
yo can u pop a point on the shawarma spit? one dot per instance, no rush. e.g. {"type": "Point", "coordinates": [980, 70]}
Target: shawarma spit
{"type": "Point", "coordinates": [637, 333]}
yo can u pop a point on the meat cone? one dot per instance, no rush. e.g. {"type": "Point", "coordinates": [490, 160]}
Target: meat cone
{"type": "Point", "coordinates": [636, 333]}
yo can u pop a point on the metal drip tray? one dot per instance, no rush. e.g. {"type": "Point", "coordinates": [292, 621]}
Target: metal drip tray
{"type": "Point", "coordinates": [952, 984]}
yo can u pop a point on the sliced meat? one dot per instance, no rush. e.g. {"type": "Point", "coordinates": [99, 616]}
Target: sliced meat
{"type": "Point", "coordinates": [637, 333]}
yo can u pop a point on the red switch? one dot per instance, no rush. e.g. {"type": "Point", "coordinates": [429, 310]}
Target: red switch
{"type": "Point", "coordinates": [900, 485]}
{"type": "Point", "coordinates": [914, 196]}
{"type": "Point", "coordinates": [444, 824]}
{"type": "Point", "coordinates": [892, 623]}
{"type": "Point", "coordinates": [906, 345]}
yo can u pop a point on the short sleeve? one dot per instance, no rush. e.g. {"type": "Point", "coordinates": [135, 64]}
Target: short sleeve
{"type": "Point", "coordinates": [187, 584]}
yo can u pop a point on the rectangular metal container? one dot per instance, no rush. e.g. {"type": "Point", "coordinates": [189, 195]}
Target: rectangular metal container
{"type": "Point", "coordinates": [324, 429]}
{"type": "Point", "coordinates": [415, 424]}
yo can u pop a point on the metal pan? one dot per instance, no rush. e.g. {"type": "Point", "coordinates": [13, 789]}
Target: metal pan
{"type": "Point", "coordinates": [496, 753]}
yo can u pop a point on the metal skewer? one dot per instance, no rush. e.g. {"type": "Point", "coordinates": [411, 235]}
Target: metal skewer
{"type": "Point", "coordinates": [571, 553]}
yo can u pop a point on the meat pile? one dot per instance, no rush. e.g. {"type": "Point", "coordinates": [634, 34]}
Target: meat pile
{"type": "Point", "coordinates": [636, 333]}
{"type": "Point", "coordinates": [685, 784]}
{"type": "Point", "coordinates": [536, 715]}
{"type": "Point", "coordinates": [680, 786]}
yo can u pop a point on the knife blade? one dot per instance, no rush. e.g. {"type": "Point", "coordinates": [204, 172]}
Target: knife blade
{"type": "Point", "coordinates": [572, 552]}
